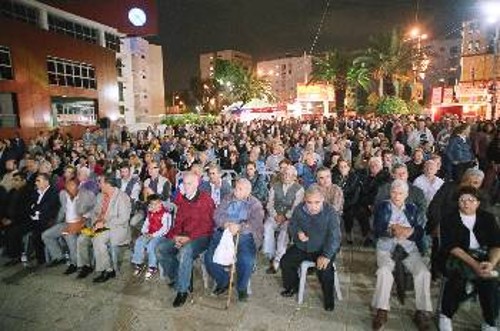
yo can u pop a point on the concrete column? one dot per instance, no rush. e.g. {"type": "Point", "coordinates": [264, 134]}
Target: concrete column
{"type": "Point", "coordinates": [44, 19]}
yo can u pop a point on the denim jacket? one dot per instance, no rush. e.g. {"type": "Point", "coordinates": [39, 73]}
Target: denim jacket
{"type": "Point", "coordinates": [458, 150]}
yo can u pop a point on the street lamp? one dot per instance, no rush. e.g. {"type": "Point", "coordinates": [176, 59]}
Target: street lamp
{"type": "Point", "coordinates": [492, 10]}
{"type": "Point", "coordinates": [421, 62]}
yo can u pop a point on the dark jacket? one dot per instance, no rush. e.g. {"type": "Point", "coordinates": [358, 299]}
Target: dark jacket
{"type": "Point", "coordinates": [455, 234]}
{"type": "Point", "coordinates": [445, 201]}
{"type": "Point", "coordinates": [370, 186]}
{"type": "Point", "coordinates": [459, 150]}
{"type": "Point", "coordinates": [351, 187]}
{"type": "Point", "coordinates": [48, 207]}
{"type": "Point", "coordinates": [322, 229]}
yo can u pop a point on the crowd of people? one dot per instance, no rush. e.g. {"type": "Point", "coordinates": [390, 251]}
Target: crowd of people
{"type": "Point", "coordinates": [293, 189]}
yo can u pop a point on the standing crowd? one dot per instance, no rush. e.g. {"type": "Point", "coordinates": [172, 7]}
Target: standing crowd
{"type": "Point", "coordinates": [293, 189]}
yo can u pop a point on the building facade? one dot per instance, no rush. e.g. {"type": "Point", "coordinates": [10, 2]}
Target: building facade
{"type": "Point", "coordinates": [60, 69]}
{"type": "Point", "coordinates": [141, 84]}
{"type": "Point", "coordinates": [207, 61]}
{"type": "Point", "coordinates": [284, 74]}
{"type": "Point", "coordinates": [444, 64]}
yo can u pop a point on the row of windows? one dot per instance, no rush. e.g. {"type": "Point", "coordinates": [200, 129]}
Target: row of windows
{"type": "Point", "coordinates": [6, 71]}
{"type": "Point", "coordinates": [17, 11]}
{"type": "Point", "coordinates": [72, 29]}
{"type": "Point", "coordinates": [70, 73]}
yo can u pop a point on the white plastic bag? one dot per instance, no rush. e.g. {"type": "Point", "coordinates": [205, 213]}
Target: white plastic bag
{"type": "Point", "coordinates": [225, 252]}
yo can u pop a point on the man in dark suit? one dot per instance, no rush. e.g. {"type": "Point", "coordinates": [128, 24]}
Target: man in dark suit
{"type": "Point", "coordinates": [44, 208]}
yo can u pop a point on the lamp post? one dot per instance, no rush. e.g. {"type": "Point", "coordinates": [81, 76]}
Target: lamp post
{"type": "Point", "coordinates": [419, 63]}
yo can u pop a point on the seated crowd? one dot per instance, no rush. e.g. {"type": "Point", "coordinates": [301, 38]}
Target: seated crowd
{"type": "Point", "coordinates": [419, 190]}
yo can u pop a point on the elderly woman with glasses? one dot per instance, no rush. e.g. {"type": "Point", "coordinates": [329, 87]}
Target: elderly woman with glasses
{"type": "Point", "coordinates": [470, 251]}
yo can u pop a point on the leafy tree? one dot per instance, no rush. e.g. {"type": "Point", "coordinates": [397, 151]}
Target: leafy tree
{"type": "Point", "coordinates": [390, 59]}
{"type": "Point", "coordinates": [333, 68]}
{"type": "Point", "coordinates": [392, 105]}
{"type": "Point", "coordinates": [235, 84]}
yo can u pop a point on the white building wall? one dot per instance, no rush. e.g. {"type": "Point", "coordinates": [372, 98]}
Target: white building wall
{"type": "Point", "coordinates": [284, 74]}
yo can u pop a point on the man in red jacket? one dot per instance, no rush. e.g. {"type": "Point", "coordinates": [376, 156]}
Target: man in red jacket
{"type": "Point", "coordinates": [189, 237]}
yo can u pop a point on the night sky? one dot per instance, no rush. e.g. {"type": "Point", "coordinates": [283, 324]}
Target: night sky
{"type": "Point", "coordinates": [271, 28]}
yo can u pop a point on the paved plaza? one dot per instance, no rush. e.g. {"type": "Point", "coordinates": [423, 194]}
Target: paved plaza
{"type": "Point", "coordinates": [45, 299]}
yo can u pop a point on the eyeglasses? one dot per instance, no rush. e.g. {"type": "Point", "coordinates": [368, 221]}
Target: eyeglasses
{"type": "Point", "coordinates": [464, 200]}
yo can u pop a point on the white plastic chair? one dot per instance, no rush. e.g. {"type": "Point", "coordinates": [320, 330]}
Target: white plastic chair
{"type": "Point", "coordinates": [304, 266]}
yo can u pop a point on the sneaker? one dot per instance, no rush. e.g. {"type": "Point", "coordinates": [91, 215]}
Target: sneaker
{"type": "Point", "coordinates": [445, 323]}
{"type": "Point", "coordinates": [486, 327]}
{"type": "Point", "coordinates": [137, 270]}
{"type": "Point", "coordinates": [422, 320]}
{"type": "Point", "coordinates": [150, 273]}
{"type": "Point", "coordinates": [71, 269]}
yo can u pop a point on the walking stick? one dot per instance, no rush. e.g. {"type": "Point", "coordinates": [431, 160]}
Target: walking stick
{"type": "Point", "coordinates": [231, 275]}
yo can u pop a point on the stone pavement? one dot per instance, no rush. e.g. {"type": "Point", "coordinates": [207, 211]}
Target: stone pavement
{"type": "Point", "coordinates": [47, 300]}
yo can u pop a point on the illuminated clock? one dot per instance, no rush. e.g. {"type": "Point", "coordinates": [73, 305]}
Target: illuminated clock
{"type": "Point", "coordinates": [137, 16]}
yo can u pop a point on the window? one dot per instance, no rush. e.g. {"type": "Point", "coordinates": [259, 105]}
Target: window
{"type": "Point", "coordinates": [120, 91]}
{"type": "Point", "coordinates": [119, 67]}
{"type": "Point", "coordinates": [70, 73]}
{"type": "Point", "coordinates": [8, 111]}
{"type": "Point", "coordinates": [112, 42]}
{"type": "Point", "coordinates": [72, 29]}
{"type": "Point", "coordinates": [122, 110]}
{"type": "Point", "coordinates": [17, 11]}
{"type": "Point", "coordinates": [5, 64]}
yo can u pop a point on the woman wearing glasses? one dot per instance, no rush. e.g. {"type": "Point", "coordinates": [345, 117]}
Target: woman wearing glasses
{"type": "Point", "coordinates": [470, 251]}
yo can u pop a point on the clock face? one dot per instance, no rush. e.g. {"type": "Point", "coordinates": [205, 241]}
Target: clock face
{"type": "Point", "coordinates": [137, 16]}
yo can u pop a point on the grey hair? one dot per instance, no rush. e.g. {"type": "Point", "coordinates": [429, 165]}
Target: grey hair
{"type": "Point", "coordinates": [400, 184]}
{"type": "Point", "coordinates": [245, 182]}
{"type": "Point", "coordinates": [84, 170]}
{"type": "Point", "coordinates": [471, 172]}
{"type": "Point", "coordinates": [215, 166]}
{"type": "Point", "coordinates": [313, 190]}
{"type": "Point", "coordinates": [376, 159]}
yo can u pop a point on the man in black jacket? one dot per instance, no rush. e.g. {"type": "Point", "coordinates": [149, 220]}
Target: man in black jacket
{"type": "Point", "coordinates": [15, 215]}
{"type": "Point", "coordinates": [315, 231]}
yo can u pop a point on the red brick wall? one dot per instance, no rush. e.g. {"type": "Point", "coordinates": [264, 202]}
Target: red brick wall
{"type": "Point", "coordinates": [29, 48]}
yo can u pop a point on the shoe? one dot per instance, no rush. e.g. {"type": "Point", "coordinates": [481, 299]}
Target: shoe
{"type": "Point", "coordinates": [84, 272]}
{"type": "Point", "coordinates": [445, 323]}
{"type": "Point", "coordinates": [104, 276]}
{"type": "Point", "coordinates": [243, 296]}
{"type": "Point", "coordinates": [180, 299]}
{"type": "Point", "coordinates": [55, 263]}
{"type": "Point", "coordinates": [11, 263]}
{"type": "Point", "coordinates": [71, 269]}
{"type": "Point", "coordinates": [422, 320]}
{"type": "Point", "coordinates": [137, 270]}
{"type": "Point", "coordinates": [150, 273]}
{"type": "Point", "coordinates": [271, 270]}
{"type": "Point", "coordinates": [329, 306]}
{"type": "Point", "coordinates": [288, 292]}
{"type": "Point", "coordinates": [486, 327]}
{"type": "Point", "coordinates": [368, 242]}
{"type": "Point", "coordinates": [220, 290]}
{"type": "Point", "coordinates": [380, 319]}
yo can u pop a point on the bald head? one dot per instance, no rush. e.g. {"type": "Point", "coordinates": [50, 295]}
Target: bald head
{"type": "Point", "coordinates": [243, 189]}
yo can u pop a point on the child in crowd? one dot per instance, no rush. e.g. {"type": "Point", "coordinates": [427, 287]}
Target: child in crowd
{"type": "Point", "coordinates": [158, 223]}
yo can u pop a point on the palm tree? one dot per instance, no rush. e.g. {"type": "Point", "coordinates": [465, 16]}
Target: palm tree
{"type": "Point", "coordinates": [390, 59]}
{"type": "Point", "coordinates": [332, 68]}
{"type": "Point", "coordinates": [237, 84]}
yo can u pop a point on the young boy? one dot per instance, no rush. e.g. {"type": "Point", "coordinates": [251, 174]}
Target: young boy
{"type": "Point", "coordinates": [157, 224]}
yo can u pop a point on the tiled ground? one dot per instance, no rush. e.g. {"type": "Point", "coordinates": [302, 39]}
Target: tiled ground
{"type": "Point", "coordinates": [48, 300]}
